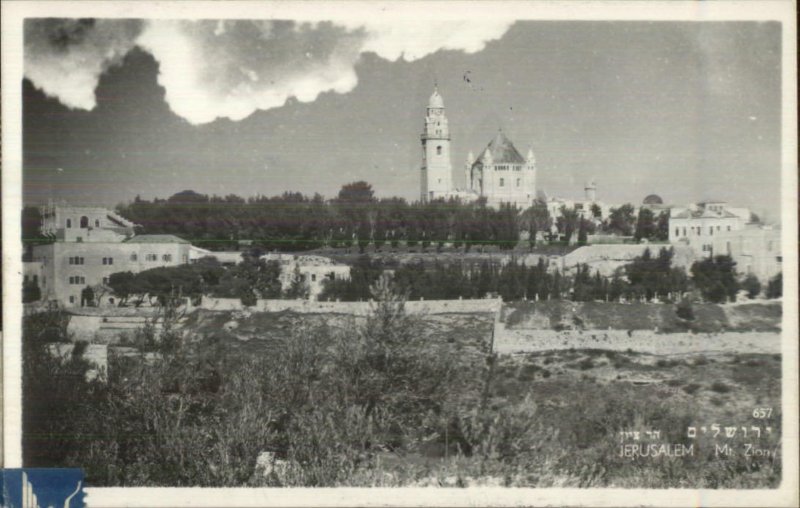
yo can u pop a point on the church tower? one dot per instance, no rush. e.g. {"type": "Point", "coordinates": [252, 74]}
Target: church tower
{"type": "Point", "coordinates": [436, 178]}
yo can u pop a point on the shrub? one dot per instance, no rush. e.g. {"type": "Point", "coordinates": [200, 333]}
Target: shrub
{"type": "Point", "coordinates": [685, 310]}
{"type": "Point", "coordinates": [752, 285]}
{"type": "Point", "coordinates": [775, 286]}
{"type": "Point", "coordinates": [720, 387]}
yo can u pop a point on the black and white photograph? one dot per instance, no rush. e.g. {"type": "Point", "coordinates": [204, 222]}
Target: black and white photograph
{"type": "Point", "coordinates": [403, 245]}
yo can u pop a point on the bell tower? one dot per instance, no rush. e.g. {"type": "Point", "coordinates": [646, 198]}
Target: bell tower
{"type": "Point", "coordinates": [436, 178]}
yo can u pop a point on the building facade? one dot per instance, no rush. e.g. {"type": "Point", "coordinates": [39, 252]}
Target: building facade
{"type": "Point", "coordinates": [89, 245]}
{"type": "Point", "coordinates": [500, 174]}
{"type": "Point", "coordinates": [437, 172]}
{"type": "Point", "coordinates": [697, 225]}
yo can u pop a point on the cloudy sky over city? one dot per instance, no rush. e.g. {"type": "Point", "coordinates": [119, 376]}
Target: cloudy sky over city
{"type": "Point", "coordinates": [118, 108]}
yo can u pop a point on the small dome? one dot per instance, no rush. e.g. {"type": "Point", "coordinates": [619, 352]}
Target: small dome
{"type": "Point", "coordinates": [653, 199]}
{"type": "Point", "coordinates": [436, 100]}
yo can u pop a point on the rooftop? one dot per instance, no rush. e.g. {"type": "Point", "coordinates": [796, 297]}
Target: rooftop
{"type": "Point", "coordinates": [502, 151]}
{"type": "Point", "coordinates": [156, 239]}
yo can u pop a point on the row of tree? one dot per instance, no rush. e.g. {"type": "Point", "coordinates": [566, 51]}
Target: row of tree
{"type": "Point", "coordinates": [647, 277]}
{"type": "Point", "coordinates": [249, 280]}
{"type": "Point", "coordinates": [295, 222]}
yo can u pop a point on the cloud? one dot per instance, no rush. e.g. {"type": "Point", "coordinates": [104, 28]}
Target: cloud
{"type": "Point", "coordinates": [66, 57]}
{"type": "Point", "coordinates": [232, 68]}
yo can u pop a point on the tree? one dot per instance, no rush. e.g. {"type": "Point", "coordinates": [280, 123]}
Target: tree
{"type": "Point", "coordinates": [123, 284]}
{"type": "Point", "coordinates": [621, 220]}
{"type": "Point", "coordinates": [535, 219]}
{"type": "Point", "coordinates": [646, 227]}
{"type": "Point", "coordinates": [567, 222]}
{"type": "Point", "coordinates": [775, 286]}
{"type": "Point", "coordinates": [298, 288]}
{"type": "Point", "coordinates": [356, 193]}
{"type": "Point", "coordinates": [715, 278]}
{"type": "Point", "coordinates": [585, 228]}
{"type": "Point", "coordinates": [651, 277]}
{"type": "Point", "coordinates": [752, 285]}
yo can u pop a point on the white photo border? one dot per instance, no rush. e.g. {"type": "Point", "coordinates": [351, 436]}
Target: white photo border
{"type": "Point", "coordinates": [13, 14]}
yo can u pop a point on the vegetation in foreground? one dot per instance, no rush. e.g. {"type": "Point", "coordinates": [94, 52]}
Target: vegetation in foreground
{"type": "Point", "coordinates": [373, 405]}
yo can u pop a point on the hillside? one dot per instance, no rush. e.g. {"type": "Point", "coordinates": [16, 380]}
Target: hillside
{"type": "Point", "coordinates": [662, 318]}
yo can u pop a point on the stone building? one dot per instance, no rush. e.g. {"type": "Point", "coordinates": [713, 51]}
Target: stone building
{"type": "Point", "coordinates": [698, 224]}
{"type": "Point", "coordinates": [89, 245]}
{"type": "Point", "coordinates": [499, 173]}
{"type": "Point", "coordinates": [437, 172]}
{"type": "Point", "coordinates": [713, 228]}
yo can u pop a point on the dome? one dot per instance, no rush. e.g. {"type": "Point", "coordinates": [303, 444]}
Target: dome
{"type": "Point", "coordinates": [436, 100]}
{"type": "Point", "coordinates": [653, 199]}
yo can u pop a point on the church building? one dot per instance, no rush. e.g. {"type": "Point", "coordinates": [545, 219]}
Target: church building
{"type": "Point", "coordinates": [499, 173]}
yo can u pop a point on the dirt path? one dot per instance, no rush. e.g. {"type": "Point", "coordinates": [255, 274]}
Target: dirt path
{"type": "Point", "coordinates": [531, 340]}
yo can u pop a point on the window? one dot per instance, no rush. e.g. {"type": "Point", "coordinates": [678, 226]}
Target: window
{"type": "Point", "coordinates": [25, 279]}
{"type": "Point", "coordinates": [71, 299]}
{"type": "Point", "coordinates": [69, 223]}
{"type": "Point", "coordinates": [151, 257]}
{"type": "Point", "coordinates": [438, 150]}
{"type": "Point", "coordinates": [166, 257]}
{"type": "Point", "coordinates": [108, 261]}
{"type": "Point", "coordinates": [36, 279]}
{"type": "Point", "coordinates": [76, 260]}
{"type": "Point", "coordinates": [185, 258]}
{"type": "Point", "coordinates": [79, 239]}
{"type": "Point", "coordinates": [677, 232]}
{"type": "Point", "coordinates": [84, 222]}
{"type": "Point", "coordinates": [97, 223]}
{"type": "Point", "coordinates": [684, 231]}
{"type": "Point", "coordinates": [77, 279]}
{"type": "Point", "coordinates": [313, 277]}
{"type": "Point", "coordinates": [502, 182]}
{"type": "Point", "coordinates": [711, 230]}
{"type": "Point", "coordinates": [134, 257]}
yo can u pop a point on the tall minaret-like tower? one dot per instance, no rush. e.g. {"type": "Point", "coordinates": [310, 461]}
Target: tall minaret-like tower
{"type": "Point", "coordinates": [437, 173]}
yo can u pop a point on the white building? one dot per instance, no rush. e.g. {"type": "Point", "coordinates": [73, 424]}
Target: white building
{"type": "Point", "coordinates": [499, 173]}
{"type": "Point", "coordinates": [697, 225]}
{"type": "Point", "coordinates": [90, 244]}
{"type": "Point", "coordinates": [755, 248]}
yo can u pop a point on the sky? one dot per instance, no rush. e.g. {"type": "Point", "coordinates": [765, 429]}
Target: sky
{"type": "Point", "coordinates": [113, 109]}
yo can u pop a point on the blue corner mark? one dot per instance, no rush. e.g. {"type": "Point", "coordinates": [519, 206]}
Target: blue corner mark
{"type": "Point", "coordinates": [42, 488]}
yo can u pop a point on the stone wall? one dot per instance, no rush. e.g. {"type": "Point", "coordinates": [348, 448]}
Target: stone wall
{"type": "Point", "coordinates": [353, 308]}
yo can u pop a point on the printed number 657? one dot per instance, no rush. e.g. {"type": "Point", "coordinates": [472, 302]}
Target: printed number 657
{"type": "Point", "coordinates": [762, 412]}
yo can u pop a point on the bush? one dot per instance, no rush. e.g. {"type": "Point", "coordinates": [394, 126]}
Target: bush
{"type": "Point", "coordinates": [752, 285]}
{"type": "Point", "coordinates": [685, 310]}
{"type": "Point", "coordinates": [775, 286]}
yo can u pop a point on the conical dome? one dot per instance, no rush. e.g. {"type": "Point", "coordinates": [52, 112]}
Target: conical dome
{"type": "Point", "coordinates": [436, 100]}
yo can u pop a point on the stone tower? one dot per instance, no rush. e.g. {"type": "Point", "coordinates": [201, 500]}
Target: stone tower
{"type": "Point", "coordinates": [590, 189]}
{"type": "Point", "coordinates": [436, 178]}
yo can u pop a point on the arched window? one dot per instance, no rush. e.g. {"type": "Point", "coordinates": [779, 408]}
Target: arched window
{"type": "Point", "coordinates": [438, 150]}
{"type": "Point", "coordinates": [84, 222]}
{"type": "Point", "coordinates": [69, 223]}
